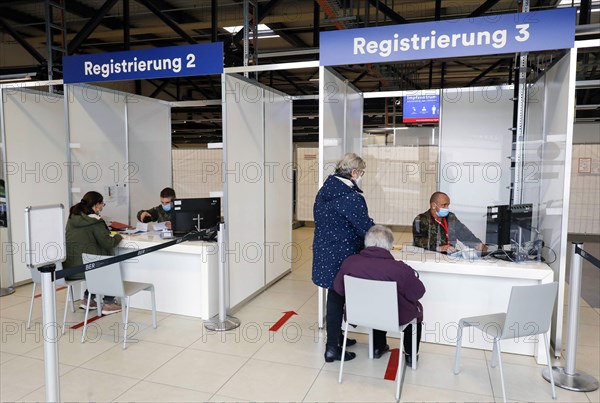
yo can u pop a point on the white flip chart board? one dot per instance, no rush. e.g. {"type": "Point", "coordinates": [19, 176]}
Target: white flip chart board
{"type": "Point", "coordinates": [44, 235]}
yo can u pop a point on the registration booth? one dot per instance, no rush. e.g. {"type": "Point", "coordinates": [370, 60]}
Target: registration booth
{"type": "Point", "coordinates": [474, 164]}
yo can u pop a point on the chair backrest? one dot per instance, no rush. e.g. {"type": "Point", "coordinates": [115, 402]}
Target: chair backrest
{"type": "Point", "coordinates": [106, 280]}
{"type": "Point", "coordinates": [529, 310]}
{"type": "Point", "coordinates": [372, 303]}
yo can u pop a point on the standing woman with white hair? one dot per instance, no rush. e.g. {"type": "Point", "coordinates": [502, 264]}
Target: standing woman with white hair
{"type": "Point", "coordinates": [341, 222]}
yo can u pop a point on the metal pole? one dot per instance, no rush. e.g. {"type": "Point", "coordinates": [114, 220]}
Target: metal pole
{"type": "Point", "coordinates": [6, 272]}
{"type": "Point", "coordinates": [568, 377]}
{"type": "Point", "coordinates": [50, 334]}
{"type": "Point", "coordinates": [222, 322]}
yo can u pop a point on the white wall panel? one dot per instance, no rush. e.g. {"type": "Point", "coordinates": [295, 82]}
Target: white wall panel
{"type": "Point", "coordinates": [149, 145]}
{"type": "Point", "coordinates": [36, 150]}
{"type": "Point", "coordinates": [475, 143]}
{"type": "Point", "coordinates": [243, 129]}
{"type": "Point", "coordinates": [278, 185]}
{"type": "Point", "coordinates": [97, 125]}
{"type": "Point", "coordinates": [354, 120]}
{"type": "Point", "coordinates": [332, 145]}
{"type": "Point", "coordinates": [197, 172]}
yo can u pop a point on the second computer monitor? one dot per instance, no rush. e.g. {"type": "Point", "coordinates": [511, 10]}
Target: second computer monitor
{"type": "Point", "coordinates": [505, 223]}
{"type": "Point", "coordinates": [195, 214]}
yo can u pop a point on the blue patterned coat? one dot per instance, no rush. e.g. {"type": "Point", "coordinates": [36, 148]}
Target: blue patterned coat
{"type": "Point", "coordinates": [341, 222]}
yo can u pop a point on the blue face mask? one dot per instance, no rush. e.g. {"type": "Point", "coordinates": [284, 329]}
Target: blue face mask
{"type": "Point", "coordinates": [443, 212]}
{"type": "Point", "coordinates": [166, 207]}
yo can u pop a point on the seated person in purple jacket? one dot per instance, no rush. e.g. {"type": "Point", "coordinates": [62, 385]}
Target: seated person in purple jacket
{"type": "Point", "coordinates": [375, 262]}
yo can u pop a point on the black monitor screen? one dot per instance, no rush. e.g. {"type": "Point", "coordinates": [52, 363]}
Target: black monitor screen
{"type": "Point", "coordinates": [195, 214]}
{"type": "Point", "coordinates": [503, 223]}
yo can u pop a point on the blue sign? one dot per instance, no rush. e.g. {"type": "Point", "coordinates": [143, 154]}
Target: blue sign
{"type": "Point", "coordinates": [495, 34]}
{"type": "Point", "coordinates": [172, 61]}
{"type": "Point", "coordinates": [421, 108]}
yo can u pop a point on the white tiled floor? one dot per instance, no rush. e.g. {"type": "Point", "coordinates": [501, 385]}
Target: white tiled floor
{"type": "Point", "coordinates": [181, 361]}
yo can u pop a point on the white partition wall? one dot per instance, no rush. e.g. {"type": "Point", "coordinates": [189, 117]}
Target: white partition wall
{"type": "Point", "coordinates": [148, 169]}
{"type": "Point", "coordinates": [278, 185]}
{"type": "Point", "coordinates": [547, 169]}
{"type": "Point", "coordinates": [97, 131]}
{"type": "Point", "coordinates": [475, 144]}
{"type": "Point", "coordinates": [36, 162]}
{"type": "Point", "coordinates": [257, 136]}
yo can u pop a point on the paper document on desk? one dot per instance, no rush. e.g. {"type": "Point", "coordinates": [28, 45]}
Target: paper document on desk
{"type": "Point", "coordinates": [141, 227]}
{"type": "Point", "coordinates": [159, 226]}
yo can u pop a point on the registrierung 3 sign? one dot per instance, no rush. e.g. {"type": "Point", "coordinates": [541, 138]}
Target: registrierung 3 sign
{"type": "Point", "coordinates": [172, 61]}
{"type": "Point", "coordinates": [505, 33]}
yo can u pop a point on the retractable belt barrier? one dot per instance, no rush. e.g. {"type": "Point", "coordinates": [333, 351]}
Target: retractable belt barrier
{"type": "Point", "coordinates": [196, 235]}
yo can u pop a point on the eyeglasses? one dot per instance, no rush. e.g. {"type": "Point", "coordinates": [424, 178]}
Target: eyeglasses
{"type": "Point", "coordinates": [361, 172]}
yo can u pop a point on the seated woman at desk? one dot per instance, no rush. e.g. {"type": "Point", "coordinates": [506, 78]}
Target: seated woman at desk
{"type": "Point", "coordinates": [437, 229]}
{"type": "Point", "coordinates": [162, 212]}
{"type": "Point", "coordinates": [87, 232]}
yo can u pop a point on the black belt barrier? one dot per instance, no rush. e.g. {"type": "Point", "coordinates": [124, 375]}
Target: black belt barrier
{"type": "Point", "coordinates": [199, 235]}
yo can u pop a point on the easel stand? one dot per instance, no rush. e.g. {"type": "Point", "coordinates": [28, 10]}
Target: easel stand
{"type": "Point", "coordinates": [222, 322]}
{"type": "Point", "coordinates": [568, 377]}
{"type": "Point", "coordinates": [50, 333]}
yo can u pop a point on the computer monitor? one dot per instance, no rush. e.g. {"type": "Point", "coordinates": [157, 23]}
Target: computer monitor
{"type": "Point", "coordinates": [195, 214]}
{"type": "Point", "coordinates": [506, 222]}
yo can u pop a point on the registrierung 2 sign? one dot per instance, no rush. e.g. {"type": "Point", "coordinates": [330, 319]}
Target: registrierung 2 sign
{"type": "Point", "coordinates": [172, 61]}
{"type": "Point", "coordinates": [496, 34]}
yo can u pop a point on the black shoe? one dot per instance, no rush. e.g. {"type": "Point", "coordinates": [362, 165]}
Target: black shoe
{"type": "Point", "coordinates": [349, 342]}
{"type": "Point", "coordinates": [378, 352]}
{"type": "Point", "coordinates": [335, 353]}
{"type": "Point", "coordinates": [408, 358]}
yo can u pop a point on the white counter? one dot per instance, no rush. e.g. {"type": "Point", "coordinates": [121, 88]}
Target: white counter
{"type": "Point", "coordinates": [185, 276]}
{"type": "Point", "coordinates": [457, 288]}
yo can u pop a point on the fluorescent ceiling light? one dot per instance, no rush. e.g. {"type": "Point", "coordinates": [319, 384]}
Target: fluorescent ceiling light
{"type": "Point", "coordinates": [263, 31]}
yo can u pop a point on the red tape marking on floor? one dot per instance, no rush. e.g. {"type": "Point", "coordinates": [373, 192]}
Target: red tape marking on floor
{"type": "Point", "coordinates": [392, 367]}
{"type": "Point", "coordinates": [77, 326]}
{"type": "Point", "coordinates": [58, 289]}
{"type": "Point", "coordinates": [286, 316]}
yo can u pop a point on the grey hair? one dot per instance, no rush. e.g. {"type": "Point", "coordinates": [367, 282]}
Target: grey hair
{"type": "Point", "coordinates": [349, 163]}
{"type": "Point", "coordinates": [380, 236]}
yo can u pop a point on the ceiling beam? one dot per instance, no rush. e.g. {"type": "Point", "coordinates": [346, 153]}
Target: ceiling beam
{"type": "Point", "coordinates": [263, 11]}
{"type": "Point", "coordinates": [23, 42]}
{"type": "Point", "coordinates": [484, 72]}
{"type": "Point", "coordinates": [23, 19]}
{"type": "Point", "coordinates": [149, 4]}
{"type": "Point", "coordinates": [388, 12]}
{"type": "Point", "coordinates": [90, 26]}
{"type": "Point", "coordinates": [483, 8]}
{"type": "Point", "coordinates": [83, 10]}
{"type": "Point", "coordinates": [281, 30]}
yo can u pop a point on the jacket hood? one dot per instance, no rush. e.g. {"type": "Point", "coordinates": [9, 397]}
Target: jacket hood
{"type": "Point", "coordinates": [82, 220]}
{"type": "Point", "coordinates": [334, 188]}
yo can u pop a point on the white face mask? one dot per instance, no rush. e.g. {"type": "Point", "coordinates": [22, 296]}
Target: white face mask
{"type": "Point", "coordinates": [358, 181]}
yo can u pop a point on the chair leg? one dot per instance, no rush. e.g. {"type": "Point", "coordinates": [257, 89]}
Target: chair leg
{"type": "Point", "coordinates": [371, 345]}
{"type": "Point", "coordinates": [459, 335]}
{"type": "Point", "coordinates": [153, 307]}
{"type": "Point", "coordinates": [70, 292]}
{"type": "Point", "coordinates": [66, 306]}
{"type": "Point", "coordinates": [400, 366]}
{"type": "Point", "coordinates": [547, 348]}
{"type": "Point", "coordinates": [494, 355]}
{"type": "Point", "coordinates": [126, 324]}
{"type": "Point", "coordinates": [414, 345]}
{"type": "Point", "coordinates": [31, 306]}
{"type": "Point", "coordinates": [497, 347]}
{"type": "Point", "coordinates": [85, 320]}
{"type": "Point", "coordinates": [343, 352]}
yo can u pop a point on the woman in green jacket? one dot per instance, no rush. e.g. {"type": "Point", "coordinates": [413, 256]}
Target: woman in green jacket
{"type": "Point", "coordinates": [87, 232]}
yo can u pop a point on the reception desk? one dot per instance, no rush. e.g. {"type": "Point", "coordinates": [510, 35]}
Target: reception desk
{"type": "Point", "coordinates": [458, 288]}
{"type": "Point", "coordinates": [185, 276]}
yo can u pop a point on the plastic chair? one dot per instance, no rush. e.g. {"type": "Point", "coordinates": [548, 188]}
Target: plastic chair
{"type": "Point", "coordinates": [529, 313]}
{"type": "Point", "coordinates": [36, 277]}
{"type": "Point", "coordinates": [374, 304]}
{"type": "Point", "coordinates": [108, 280]}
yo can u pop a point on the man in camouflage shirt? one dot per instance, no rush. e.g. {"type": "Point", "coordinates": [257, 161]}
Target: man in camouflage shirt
{"type": "Point", "coordinates": [437, 229]}
{"type": "Point", "coordinates": [162, 212]}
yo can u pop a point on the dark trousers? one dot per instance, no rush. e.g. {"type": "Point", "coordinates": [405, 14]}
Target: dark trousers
{"type": "Point", "coordinates": [380, 339]}
{"type": "Point", "coordinates": [335, 313]}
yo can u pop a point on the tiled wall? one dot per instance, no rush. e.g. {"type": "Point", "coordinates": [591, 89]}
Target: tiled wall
{"type": "Point", "coordinates": [397, 184]}
{"type": "Point", "coordinates": [584, 207]}
{"type": "Point", "coordinates": [197, 172]}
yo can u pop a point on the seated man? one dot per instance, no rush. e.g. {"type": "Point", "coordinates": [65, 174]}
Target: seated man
{"type": "Point", "coordinates": [437, 229]}
{"type": "Point", "coordinates": [375, 262]}
{"type": "Point", "coordinates": [162, 212]}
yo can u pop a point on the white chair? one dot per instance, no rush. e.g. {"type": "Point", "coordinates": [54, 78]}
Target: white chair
{"type": "Point", "coordinates": [374, 304]}
{"type": "Point", "coordinates": [529, 313]}
{"type": "Point", "coordinates": [108, 280]}
{"type": "Point", "coordinates": [36, 277]}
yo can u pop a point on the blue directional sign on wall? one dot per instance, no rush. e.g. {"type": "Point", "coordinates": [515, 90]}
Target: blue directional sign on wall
{"type": "Point", "coordinates": [495, 34]}
{"type": "Point", "coordinates": [172, 61]}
